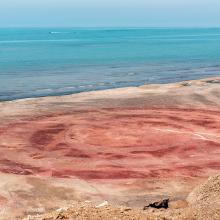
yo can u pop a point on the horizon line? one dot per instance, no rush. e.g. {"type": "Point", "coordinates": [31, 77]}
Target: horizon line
{"type": "Point", "coordinates": [102, 27]}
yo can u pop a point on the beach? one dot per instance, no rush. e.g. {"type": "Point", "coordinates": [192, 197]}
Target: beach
{"type": "Point", "coordinates": [125, 146]}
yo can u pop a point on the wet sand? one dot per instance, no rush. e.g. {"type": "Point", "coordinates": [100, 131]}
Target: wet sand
{"type": "Point", "coordinates": [124, 145]}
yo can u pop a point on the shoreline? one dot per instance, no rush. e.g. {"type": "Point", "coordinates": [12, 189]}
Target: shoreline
{"type": "Point", "coordinates": [122, 89]}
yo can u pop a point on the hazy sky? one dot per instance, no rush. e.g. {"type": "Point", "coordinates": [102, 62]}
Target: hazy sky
{"type": "Point", "coordinates": [109, 13]}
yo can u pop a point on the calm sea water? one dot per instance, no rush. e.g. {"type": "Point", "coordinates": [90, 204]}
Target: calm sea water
{"type": "Point", "coordinates": [55, 61]}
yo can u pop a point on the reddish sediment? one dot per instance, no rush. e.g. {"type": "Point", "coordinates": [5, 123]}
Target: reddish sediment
{"type": "Point", "coordinates": [110, 137]}
{"type": "Point", "coordinates": [144, 143]}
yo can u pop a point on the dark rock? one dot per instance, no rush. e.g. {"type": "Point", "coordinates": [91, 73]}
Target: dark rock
{"type": "Point", "coordinates": [213, 81]}
{"type": "Point", "coordinates": [158, 205]}
{"type": "Point", "coordinates": [186, 84]}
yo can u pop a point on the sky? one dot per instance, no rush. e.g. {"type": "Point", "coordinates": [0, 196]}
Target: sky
{"type": "Point", "coordinates": [109, 13]}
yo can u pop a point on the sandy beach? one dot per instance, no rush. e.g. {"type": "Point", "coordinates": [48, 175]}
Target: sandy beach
{"type": "Point", "coordinates": [127, 146]}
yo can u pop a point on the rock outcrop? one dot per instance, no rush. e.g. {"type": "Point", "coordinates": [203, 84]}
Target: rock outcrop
{"type": "Point", "coordinates": [203, 204]}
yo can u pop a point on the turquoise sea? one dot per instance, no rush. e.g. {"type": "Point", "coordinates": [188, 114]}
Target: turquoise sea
{"type": "Point", "coordinates": [38, 62]}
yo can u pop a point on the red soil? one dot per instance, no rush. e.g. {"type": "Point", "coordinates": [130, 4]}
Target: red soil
{"type": "Point", "coordinates": [114, 143]}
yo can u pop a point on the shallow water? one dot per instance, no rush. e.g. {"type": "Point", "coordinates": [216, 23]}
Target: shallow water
{"type": "Point", "coordinates": [54, 61]}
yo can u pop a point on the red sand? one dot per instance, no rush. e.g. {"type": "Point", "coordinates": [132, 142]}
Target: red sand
{"type": "Point", "coordinates": [115, 144]}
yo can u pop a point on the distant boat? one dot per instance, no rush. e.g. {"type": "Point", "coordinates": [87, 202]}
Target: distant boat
{"type": "Point", "coordinates": [57, 32]}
